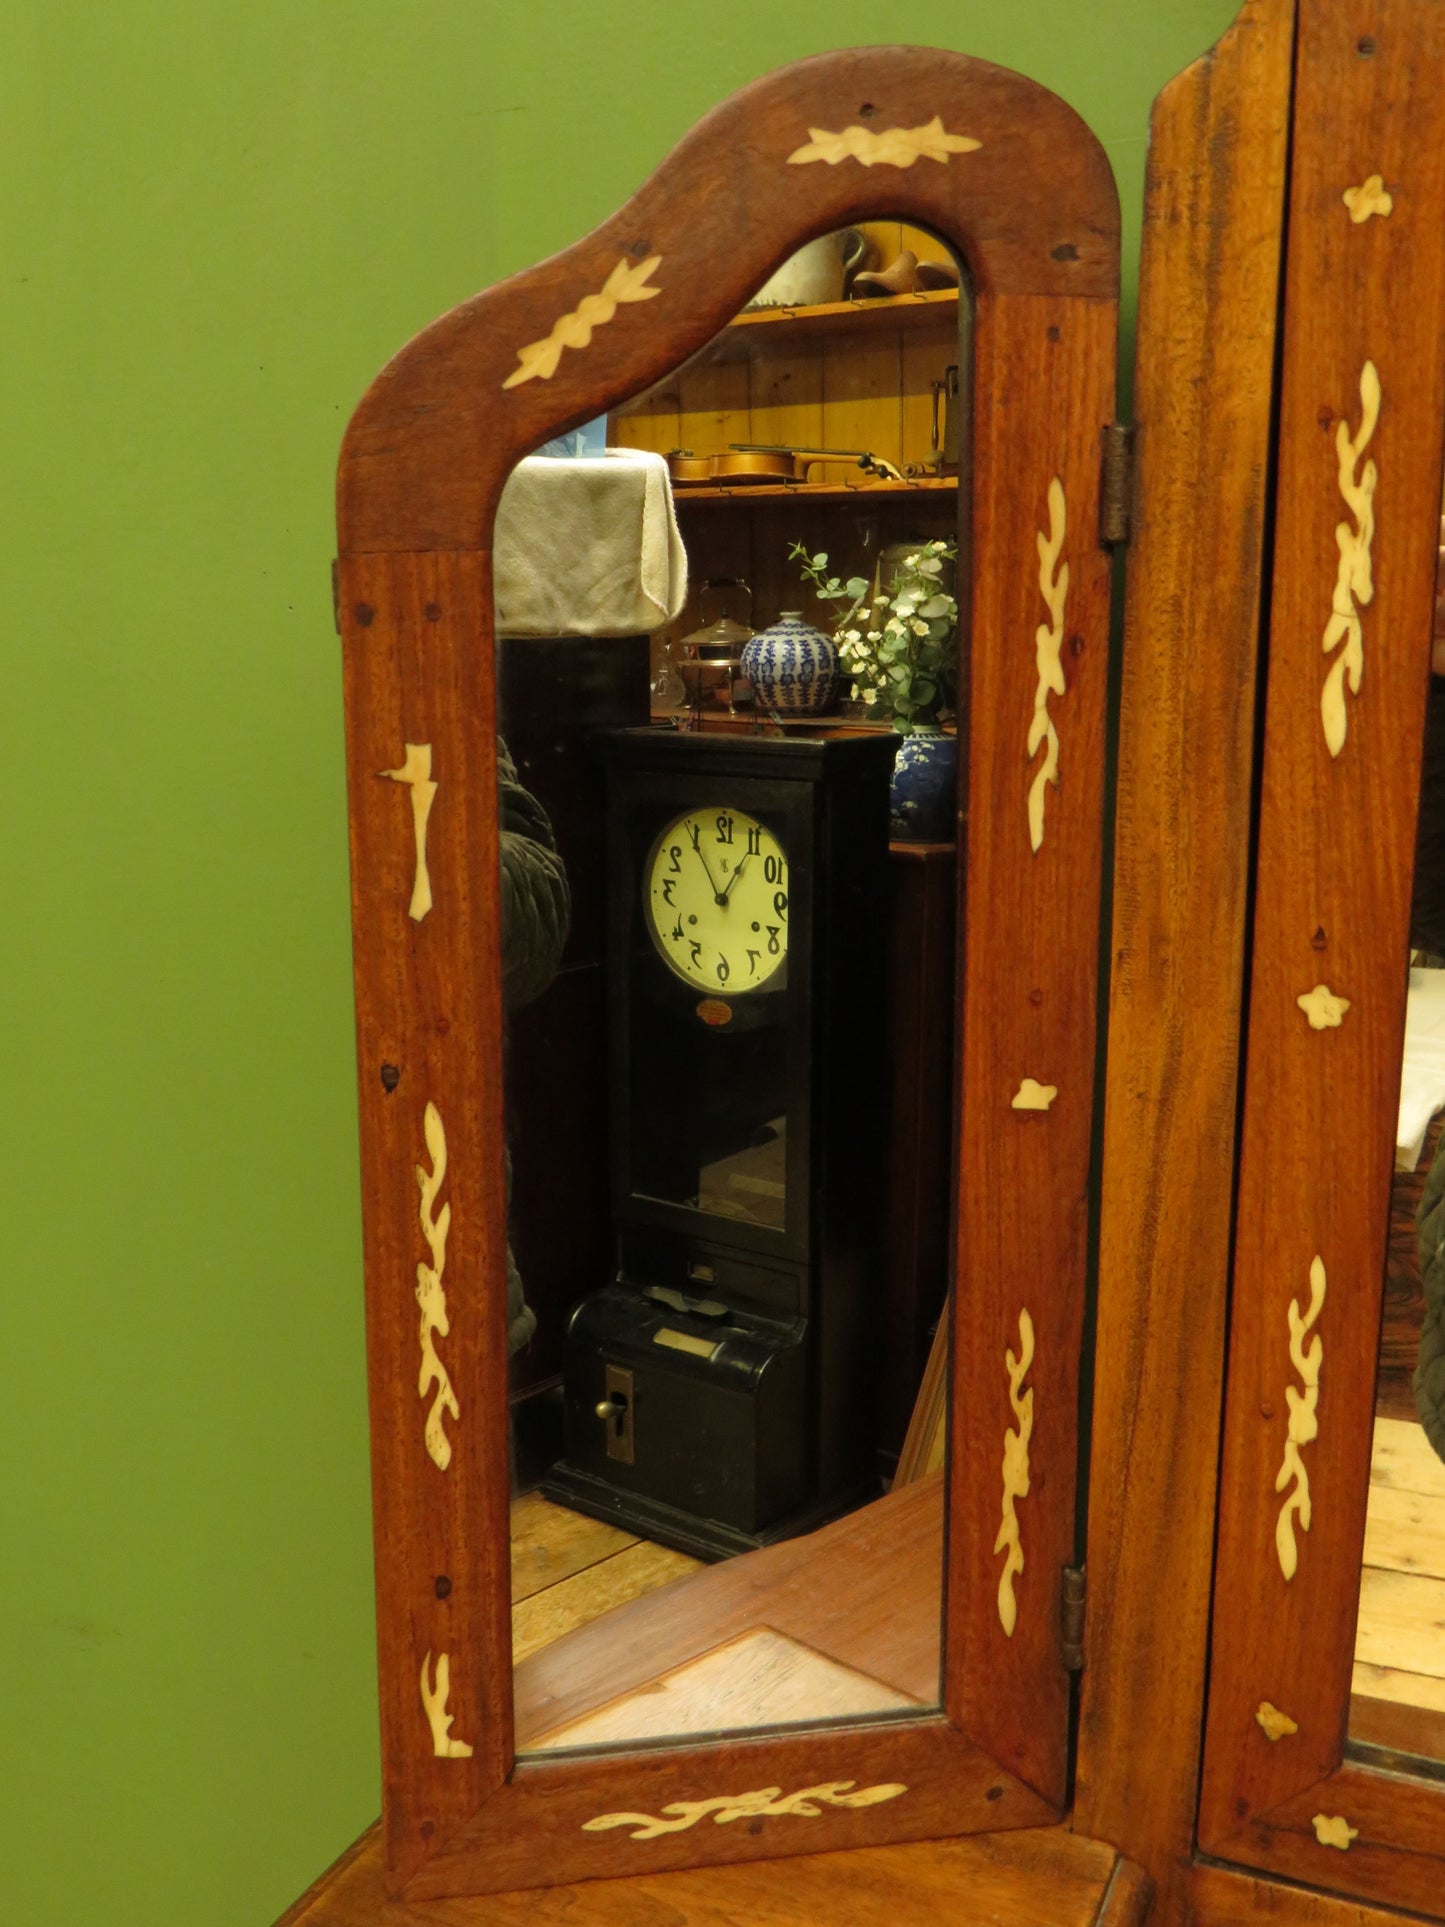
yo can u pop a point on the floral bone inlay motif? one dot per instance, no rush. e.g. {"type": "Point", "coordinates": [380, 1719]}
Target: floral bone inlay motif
{"type": "Point", "coordinates": [1334, 1830]}
{"type": "Point", "coordinates": [1354, 582]}
{"type": "Point", "coordinates": [1277, 1725]}
{"type": "Point", "coordinates": [429, 1294]}
{"type": "Point", "coordinates": [416, 770]}
{"type": "Point", "coordinates": [1303, 1421]}
{"type": "Point", "coordinates": [1048, 658]}
{"type": "Point", "coordinates": [1370, 197]}
{"type": "Point", "coordinates": [893, 147]}
{"type": "Point", "coordinates": [626, 282]}
{"type": "Point", "coordinates": [1033, 1096]}
{"type": "Point", "coordinates": [1015, 1471]}
{"type": "Point", "coordinates": [1323, 1008]}
{"type": "Point", "coordinates": [767, 1802]}
{"type": "Point", "coordinates": [434, 1699]}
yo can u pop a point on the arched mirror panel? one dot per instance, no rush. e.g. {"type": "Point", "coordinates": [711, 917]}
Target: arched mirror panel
{"type": "Point", "coordinates": [696, 1086]}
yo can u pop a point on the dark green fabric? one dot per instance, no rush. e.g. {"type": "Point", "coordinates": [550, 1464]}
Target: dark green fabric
{"type": "Point", "coordinates": [1427, 932]}
{"type": "Point", "coordinates": [536, 908]}
{"type": "Point", "coordinates": [1430, 1371]}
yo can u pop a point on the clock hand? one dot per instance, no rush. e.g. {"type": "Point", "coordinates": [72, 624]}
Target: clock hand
{"type": "Point", "coordinates": [717, 895]}
{"type": "Point", "coordinates": [733, 879]}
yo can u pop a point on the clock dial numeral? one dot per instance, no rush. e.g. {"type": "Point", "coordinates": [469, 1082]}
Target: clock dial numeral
{"type": "Point", "coordinates": [708, 902]}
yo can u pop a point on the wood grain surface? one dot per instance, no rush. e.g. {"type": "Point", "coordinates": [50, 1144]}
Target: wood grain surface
{"type": "Point", "coordinates": [636, 1571]}
{"type": "Point", "coordinates": [1033, 212]}
{"type": "Point", "coordinates": [759, 1678]}
{"type": "Point", "coordinates": [1034, 1879]}
{"type": "Point", "coordinates": [1335, 850]}
{"type": "Point", "coordinates": [548, 1544]}
{"type": "Point", "coordinates": [1222, 1898]}
{"type": "Point", "coordinates": [866, 1591]}
{"type": "Point", "coordinates": [1214, 212]}
{"type": "Point", "coordinates": [1022, 1177]}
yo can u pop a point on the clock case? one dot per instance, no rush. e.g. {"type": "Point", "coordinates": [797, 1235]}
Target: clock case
{"type": "Point", "coordinates": [719, 1390]}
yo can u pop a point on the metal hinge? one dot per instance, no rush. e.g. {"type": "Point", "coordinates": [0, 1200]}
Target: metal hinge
{"type": "Point", "coordinates": [1072, 1615]}
{"type": "Point", "coordinates": [1116, 483]}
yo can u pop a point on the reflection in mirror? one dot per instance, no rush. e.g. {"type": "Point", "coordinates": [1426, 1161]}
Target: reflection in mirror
{"type": "Point", "coordinates": [728, 928]}
{"type": "Point", "coordinates": [1399, 1677]}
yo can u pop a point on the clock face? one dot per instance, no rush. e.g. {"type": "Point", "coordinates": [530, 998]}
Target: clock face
{"type": "Point", "coordinates": [716, 902]}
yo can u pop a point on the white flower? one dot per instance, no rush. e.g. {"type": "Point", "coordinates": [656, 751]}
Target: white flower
{"type": "Point", "coordinates": [919, 628]}
{"type": "Point", "coordinates": [870, 695]}
{"type": "Point", "coordinates": [875, 635]}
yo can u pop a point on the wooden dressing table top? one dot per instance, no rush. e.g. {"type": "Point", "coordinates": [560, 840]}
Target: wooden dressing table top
{"type": "Point", "coordinates": [1045, 1877]}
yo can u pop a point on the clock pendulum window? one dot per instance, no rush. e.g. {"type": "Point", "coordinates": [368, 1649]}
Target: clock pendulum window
{"type": "Point", "coordinates": [719, 1389]}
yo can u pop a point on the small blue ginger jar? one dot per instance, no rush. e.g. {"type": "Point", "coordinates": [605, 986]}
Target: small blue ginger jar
{"type": "Point", "coordinates": [792, 667]}
{"type": "Point", "coordinates": [923, 796]}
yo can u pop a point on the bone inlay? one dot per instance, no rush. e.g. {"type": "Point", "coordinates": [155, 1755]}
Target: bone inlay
{"type": "Point", "coordinates": [1370, 197]}
{"type": "Point", "coordinates": [538, 360]}
{"type": "Point", "coordinates": [768, 1802]}
{"type": "Point", "coordinates": [1334, 1830]}
{"type": "Point", "coordinates": [894, 147]}
{"type": "Point", "coordinates": [429, 1294]}
{"type": "Point", "coordinates": [434, 1699]}
{"type": "Point", "coordinates": [1033, 1096]}
{"type": "Point", "coordinates": [1015, 1471]}
{"type": "Point", "coordinates": [416, 771]}
{"type": "Point", "coordinates": [1048, 658]}
{"type": "Point", "coordinates": [1303, 1421]}
{"type": "Point", "coordinates": [1323, 1008]}
{"type": "Point", "coordinates": [1354, 583]}
{"type": "Point", "coordinates": [1277, 1725]}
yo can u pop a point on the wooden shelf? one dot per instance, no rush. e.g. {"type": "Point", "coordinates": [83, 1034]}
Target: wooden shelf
{"type": "Point", "coordinates": [886, 315]}
{"type": "Point", "coordinates": [816, 491]}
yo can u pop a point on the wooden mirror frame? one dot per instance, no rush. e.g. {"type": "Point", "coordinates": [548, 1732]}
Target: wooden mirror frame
{"type": "Point", "coordinates": [1011, 178]}
{"type": "Point", "coordinates": [1335, 855]}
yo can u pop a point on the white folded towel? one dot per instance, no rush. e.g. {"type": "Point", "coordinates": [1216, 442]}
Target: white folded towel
{"type": "Point", "coordinates": [588, 548]}
{"type": "Point", "coordinates": [1422, 1080]}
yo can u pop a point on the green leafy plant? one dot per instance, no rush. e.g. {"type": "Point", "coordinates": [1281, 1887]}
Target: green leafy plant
{"type": "Point", "coordinates": [899, 647]}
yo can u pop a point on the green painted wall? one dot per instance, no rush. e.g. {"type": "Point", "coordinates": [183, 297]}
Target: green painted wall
{"type": "Point", "coordinates": [216, 222]}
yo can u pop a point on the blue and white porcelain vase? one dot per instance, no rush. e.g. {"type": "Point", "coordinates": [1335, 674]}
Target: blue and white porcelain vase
{"type": "Point", "coordinates": [923, 796]}
{"type": "Point", "coordinates": [792, 667]}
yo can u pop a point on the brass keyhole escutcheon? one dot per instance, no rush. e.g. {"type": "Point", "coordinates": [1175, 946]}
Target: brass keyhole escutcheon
{"type": "Point", "coordinates": [615, 1410]}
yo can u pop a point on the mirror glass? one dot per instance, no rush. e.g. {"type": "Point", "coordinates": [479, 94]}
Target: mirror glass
{"type": "Point", "coordinates": [1398, 1698]}
{"type": "Point", "coordinates": [729, 907]}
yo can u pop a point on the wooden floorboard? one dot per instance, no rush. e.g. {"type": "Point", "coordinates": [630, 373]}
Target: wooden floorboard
{"type": "Point", "coordinates": [1398, 1686]}
{"type": "Point", "coordinates": [576, 1601]}
{"type": "Point", "coordinates": [550, 1544]}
